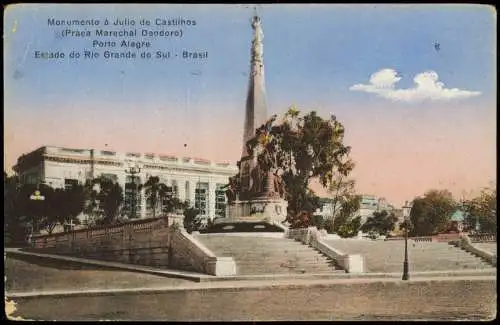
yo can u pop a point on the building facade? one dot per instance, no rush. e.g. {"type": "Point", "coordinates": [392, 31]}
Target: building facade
{"type": "Point", "coordinates": [198, 181]}
{"type": "Point", "coordinates": [368, 205]}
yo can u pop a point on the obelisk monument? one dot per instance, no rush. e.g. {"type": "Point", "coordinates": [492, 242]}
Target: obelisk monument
{"type": "Point", "coordinates": [253, 194]}
{"type": "Point", "coordinates": [256, 106]}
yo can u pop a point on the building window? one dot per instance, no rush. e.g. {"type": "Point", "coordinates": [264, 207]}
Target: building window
{"type": "Point", "coordinates": [70, 183]}
{"type": "Point", "coordinates": [200, 199]}
{"type": "Point", "coordinates": [175, 189]}
{"type": "Point", "coordinates": [111, 177]}
{"type": "Point", "coordinates": [220, 201]}
{"type": "Point", "coordinates": [132, 197]}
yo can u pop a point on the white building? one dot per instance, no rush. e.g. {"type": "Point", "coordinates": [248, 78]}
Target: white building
{"type": "Point", "coordinates": [196, 180]}
{"type": "Point", "coordinates": [368, 205]}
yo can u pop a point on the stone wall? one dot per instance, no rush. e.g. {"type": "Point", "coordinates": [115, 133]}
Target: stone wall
{"type": "Point", "coordinates": [190, 254]}
{"type": "Point", "coordinates": [145, 242]}
{"type": "Point", "coordinates": [351, 263]}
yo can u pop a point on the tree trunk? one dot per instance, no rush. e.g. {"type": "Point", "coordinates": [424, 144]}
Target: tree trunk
{"type": "Point", "coordinates": [335, 200]}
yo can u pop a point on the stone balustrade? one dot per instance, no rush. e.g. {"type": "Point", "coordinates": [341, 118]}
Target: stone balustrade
{"type": "Point", "coordinates": [189, 253]}
{"type": "Point", "coordinates": [351, 263]}
{"type": "Point", "coordinates": [421, 239]}
{"type": "Point", "coordinates": [465, 243]}
{"type": "Point", "coordinates": [482, 238]}
{"type": "Point", "coordinates": [160, 242]}
{"type": "Point", "coordinates": [435, 238]}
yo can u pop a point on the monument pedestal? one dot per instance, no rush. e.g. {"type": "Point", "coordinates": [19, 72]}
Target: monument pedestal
{"type": "Point", "coordinates": [260, 209]}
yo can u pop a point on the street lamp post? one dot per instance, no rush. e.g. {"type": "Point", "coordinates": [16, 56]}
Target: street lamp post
{"type": "Point", "coordinates": [406, 215]}
{"type": "Point", "coordinates": [133, 170]}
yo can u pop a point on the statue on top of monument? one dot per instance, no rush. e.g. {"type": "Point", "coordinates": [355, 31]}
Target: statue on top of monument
{"type": "Point", "coordinates": [257, 52]}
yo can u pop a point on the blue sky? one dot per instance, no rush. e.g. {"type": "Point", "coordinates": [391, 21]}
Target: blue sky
{"type": "Point", "coordinates": [313, 55]}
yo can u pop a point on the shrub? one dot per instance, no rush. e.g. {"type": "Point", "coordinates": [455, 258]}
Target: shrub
{"type": "Point", "coordinates": [299, 220]}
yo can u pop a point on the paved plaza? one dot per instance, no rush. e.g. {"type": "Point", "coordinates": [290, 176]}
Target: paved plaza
{"type": "Point", "coordinates": [47, 289]}
{"type": "Point", "coordinates": [387, 256]}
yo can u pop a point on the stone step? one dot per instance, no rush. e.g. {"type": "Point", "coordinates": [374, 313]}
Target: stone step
{"type": "Point", "coordinates": [265, 253]}
{"type": "Point", "coordinates": [258, 255]}
{"type": "Point", "coordinates": [284, 264]}
{"type": "Point", "coordinates": [258, 249]}
{"type": "Point", "coordinates": [387, 256]}
{"type": "Point", "coordinates": [310, 262]}
{"type": "Point", "coordinates": [254, 247]}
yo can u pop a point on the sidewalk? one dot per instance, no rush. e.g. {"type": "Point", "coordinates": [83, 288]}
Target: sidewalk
{"type": "Point", "coordinates": [247, 284]}
{"type": "Point", "coordinates": [198, 277]}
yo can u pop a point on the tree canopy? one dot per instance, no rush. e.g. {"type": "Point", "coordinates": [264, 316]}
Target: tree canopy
{"type": "Point", "coordinates": [346, 223]}
{"type": "Point", "coordinates": [106, 196]}
{"type": "Point", "coordinates": [304, 147]}
{"type": "Point", "coordinates": [381, 222]}
{"type": "Point", "coordinates": [432, 213]}
{"type": "Point", "coordinates": [482, 209]}
{"type": "Point", "coordinates": [156, 192]}
{"type": "Point", "coordinates": [40, 207]}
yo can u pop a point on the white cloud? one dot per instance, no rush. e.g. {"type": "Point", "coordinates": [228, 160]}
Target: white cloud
{"type": "Point", "coordinates": [427, 87]}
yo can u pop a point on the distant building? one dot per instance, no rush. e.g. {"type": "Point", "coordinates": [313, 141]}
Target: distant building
{"type": "Point", "coordinates": [459, 217]}
{"type": "Point", "coordinates": [368, 205]}
{"type": "Point", "coordinates": [196, 180]}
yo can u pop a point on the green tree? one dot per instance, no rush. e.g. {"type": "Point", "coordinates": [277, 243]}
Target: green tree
{"type": "Point", "coordinates": [15, 227]}
{"type": "Point", "coordinates": [346, 224]}
{"type": "Point", "coordinates": [171, 204]}
{"type": "Point", "coordinates": [349, 228]}
{"type": "Point", "coordinates": [303, 219]}
{"type": "Point", "coordinates": [483, 210]}
{"type": "Point", "coordinates": [53, 208]}
{"type": "Point", "coordinates": [71, 203]}
{"type": "Point", "coordinates": [318, 221]}
{"type": "Point", "coordinates": [343, 194]}
{"type": "Point", "coordinates": [302, 148]}
{"type": "Point", "coordinates": [381, 223]}
{"type": "Point", "coordinates": [109, 194]}
{"type": "Point", "coordinates": [431, 213]}
{"type": "Point", "coordinates": [156, 192]}
{"type": "Point", "coordinates": [191, 222]}
{"type": "Point", "coordinates": [91, 205]}
{"type": "Point", "coordinates": [340, 189]}
{"type": "Point", "coordinates": [36, 214]}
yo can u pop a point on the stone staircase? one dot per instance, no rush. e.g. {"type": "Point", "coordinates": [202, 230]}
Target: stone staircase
{"type": "Point", "coordinates": [259, 254]}
{"type": "Point", "coordinates": [388, 256]}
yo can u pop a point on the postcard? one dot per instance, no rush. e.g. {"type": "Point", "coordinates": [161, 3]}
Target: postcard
{"type": "Point", "coordinates": [225, 162]}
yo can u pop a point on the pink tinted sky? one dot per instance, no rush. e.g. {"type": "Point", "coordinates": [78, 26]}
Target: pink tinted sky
{"type": "Point", "coordinates": [357, 62]}
{"type": "Point", "coordinates": [397, 156]}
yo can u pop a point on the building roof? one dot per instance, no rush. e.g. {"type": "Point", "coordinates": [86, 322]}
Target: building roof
{"type": "Point", "coordinates": [32, 158]}
{"type": "Point", "coordinates": [458, 215]}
